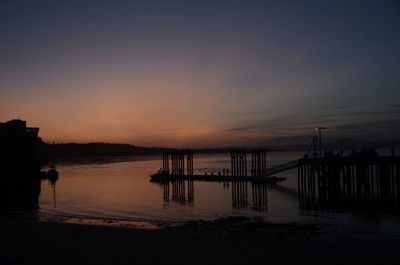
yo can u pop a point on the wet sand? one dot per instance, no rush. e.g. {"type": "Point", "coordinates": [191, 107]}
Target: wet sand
{"type": "Point", "coordinates": [225, 241]}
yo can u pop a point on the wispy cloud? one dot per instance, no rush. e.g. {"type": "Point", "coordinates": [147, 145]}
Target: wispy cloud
{"type": "Point", "coordinates": [240, 128]}
{"type": "Point", "coordinates": [246, 128]}
{"type": "Point", "coordinates": [342, 107]}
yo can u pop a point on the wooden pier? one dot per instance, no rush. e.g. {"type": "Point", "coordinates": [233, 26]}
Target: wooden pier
{"type": "Point", "coordinates": [175, 168]}
{"type": "Point", "coordinates": [369, 183]}
{"type": "Point", "coordinates": [360, 181]}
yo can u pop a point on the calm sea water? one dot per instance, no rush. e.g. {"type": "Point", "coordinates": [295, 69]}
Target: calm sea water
{"type": "Point", "coordinates": [120, 189]}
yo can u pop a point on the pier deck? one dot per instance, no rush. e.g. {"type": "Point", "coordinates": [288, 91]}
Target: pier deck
{"type": "Point", "coordinates": [160, 177]}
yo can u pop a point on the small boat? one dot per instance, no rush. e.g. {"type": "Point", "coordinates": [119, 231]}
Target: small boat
{"type": "Point", "coordinates": [52, 173]}
{"type": "Point", "coordinates": [160, 175]}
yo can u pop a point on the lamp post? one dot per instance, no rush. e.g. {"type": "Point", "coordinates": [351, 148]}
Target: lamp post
{"type": "Point", "coordinates": [320, 139]}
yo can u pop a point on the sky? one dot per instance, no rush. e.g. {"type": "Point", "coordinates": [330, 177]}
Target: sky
{"type": "Point", "coordinates": [201, 73]}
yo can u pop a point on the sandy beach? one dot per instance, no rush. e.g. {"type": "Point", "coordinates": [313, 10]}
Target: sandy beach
{"type": "Point", "coordinates": [236, 240]}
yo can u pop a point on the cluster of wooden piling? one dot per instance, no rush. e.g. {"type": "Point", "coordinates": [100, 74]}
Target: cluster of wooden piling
{"type": "Point", "coordinates": [174, 168]}
{"type": "Point", "coordinates": [370, 183]}
{"type": "Point", "coordinates": [165, 159]}
{"type": "Point", "coordinates": [238, 163]}
{"type": "Point", "coordinates": [258, 162]}
{"type": "Point", "coordinates": [178, 163]}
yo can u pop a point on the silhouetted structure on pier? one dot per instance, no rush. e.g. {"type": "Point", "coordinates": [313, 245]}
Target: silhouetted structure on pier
{"type": "Point", "coordinates": [19, 144]}
{"type": "Point", "coordinates": [178, 163]}
{"type": "Point", "coordinates": [281, 167]}
{"type": "Point", "coordinates": [20, 165]}
{"type": "Point", "coordinates": [361, 181]}
{"type": "Point", "coordinates": [173, 168]}
{"type": "Point", "coordinates": [259, 162]}
{"type": "Point", "coordinates": [239, 163]}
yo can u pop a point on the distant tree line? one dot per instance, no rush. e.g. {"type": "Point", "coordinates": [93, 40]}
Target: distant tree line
{"type": "Point", "coordinates": [67, 150]}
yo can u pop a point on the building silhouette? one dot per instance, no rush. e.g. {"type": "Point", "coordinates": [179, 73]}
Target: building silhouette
{"type": "Point", "coordinates": [20, 164]}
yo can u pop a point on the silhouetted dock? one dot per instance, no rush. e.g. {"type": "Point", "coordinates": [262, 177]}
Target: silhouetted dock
{"type": "Point", "coordinates": [356, 182]}
{"type": "Point", "coordinates": [173, 168]}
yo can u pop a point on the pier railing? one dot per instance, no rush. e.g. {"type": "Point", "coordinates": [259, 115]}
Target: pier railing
{"type": "Point", "coordinates": [281, 167]}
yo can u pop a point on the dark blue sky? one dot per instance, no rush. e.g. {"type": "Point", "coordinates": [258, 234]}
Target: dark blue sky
{"type": "Point", "coordinates": [198, 73]}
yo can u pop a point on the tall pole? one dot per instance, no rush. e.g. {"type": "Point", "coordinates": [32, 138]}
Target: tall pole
{"type": "Point", "coordinates": [320, 139]}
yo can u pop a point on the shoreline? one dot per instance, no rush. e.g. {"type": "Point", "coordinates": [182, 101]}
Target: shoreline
{"type": "Point", "coordinates": [230, 240]}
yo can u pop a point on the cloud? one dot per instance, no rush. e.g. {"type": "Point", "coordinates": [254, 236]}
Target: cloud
{"type": "Point", "coordinates": [246, 128]}
{"type": "Point", "coordinates": [240, 128]}
{"type": "Point", "coordinates": [342, 107]}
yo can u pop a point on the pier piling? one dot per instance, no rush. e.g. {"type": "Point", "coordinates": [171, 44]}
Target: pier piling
{"type": "Point", "coordinates": [368, 183]}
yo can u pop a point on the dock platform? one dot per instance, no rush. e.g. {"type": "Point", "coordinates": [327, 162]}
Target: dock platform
{"type": "Point", "coordinates": [163, 177]}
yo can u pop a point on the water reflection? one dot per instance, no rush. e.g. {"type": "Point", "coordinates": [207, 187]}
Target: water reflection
{"type": "Point", "coordinates": [52, 183]}
{"type": "Point", "coordinates": [182, 192]}
{"type": "Point", "coordinates": [260, 198]}
{"type": "Point", "coordinates": [239, 195]}
{"type": "Point", "coordinates": [123, 190]}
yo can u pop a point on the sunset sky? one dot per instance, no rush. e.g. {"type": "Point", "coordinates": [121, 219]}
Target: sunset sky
{"type": "Point", "coordinates": [201, 73]}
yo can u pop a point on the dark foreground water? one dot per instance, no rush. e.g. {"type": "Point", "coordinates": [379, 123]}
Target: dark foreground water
{"type": "Point", "coordinates": [118, 190]}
